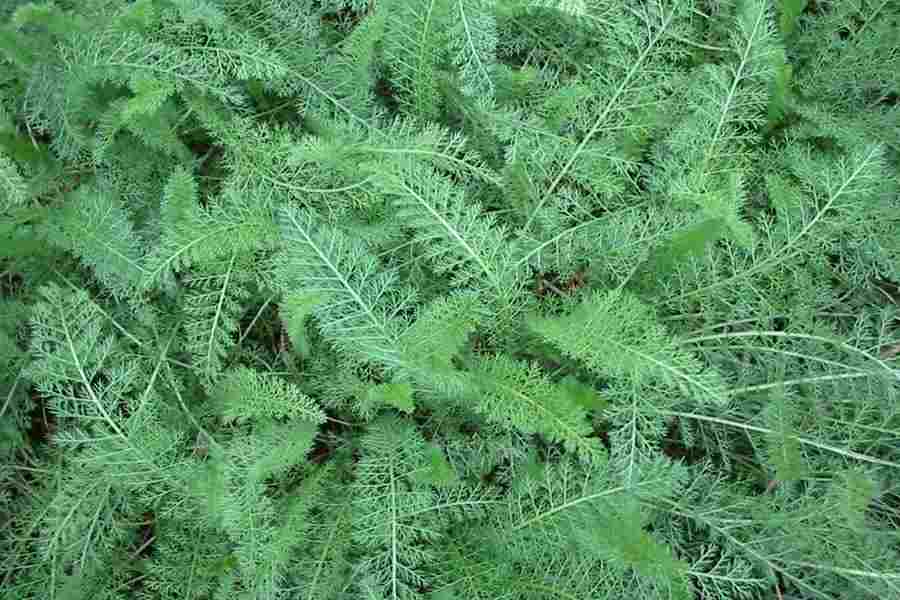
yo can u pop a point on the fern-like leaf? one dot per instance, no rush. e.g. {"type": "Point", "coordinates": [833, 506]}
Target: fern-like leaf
{"type": "Point", "coordinates": [95, 225]}
{"type": "Point", "coordinates": [415, 43]}
{"type": "Point", "coordinates": [359, 305]}
{"type": "Point", "coordinates": [518, 395]}
{"type": "Point", "coordinates": [213, 306]}
{"type": "Point", "coordinates": [615, 334]}
{"type": "Point", "coordinates": [248, 395]}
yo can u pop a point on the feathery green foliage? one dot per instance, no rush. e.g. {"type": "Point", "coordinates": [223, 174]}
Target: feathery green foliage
{"type": "Point", "coordinates": [449, 299]}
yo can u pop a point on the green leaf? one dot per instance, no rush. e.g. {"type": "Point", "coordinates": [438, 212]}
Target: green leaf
{"type": "Point", "coordinates": [784, 447]}
{"type": "Point", "coordinates": [415, 45]}
{"type": "Point", "coordinates": [615, 334]}
{"type": "Point", "coordinates": [517, 395]}
{"type": "Point", "coordinates": [96, 226]}
{"type": "Point", "coordinates": [213, 303]}
{"type": "Point", "coordinates": [582, 395]}
{"type": "Point", "coordinates": [397, 395]}
{"type": "Point", "coordinates": [789, 14]}
{"type": "Point", "coordinates": [684, 246]}
{"type": "Point", "coordinates": [439, 472]}
{"type": "Point", "coordinates": [473, 42]}
{"type": "Point", "coordinates": [294, 311]}
{"type": "Point", "coordinates": [245, 394]}
{"type": "Point", "coordinates": [858, 491]}
{"type": "Point", "coordinates": [780, 92]}
{"type": "Point", "coordinates": [358, 297]}
{"type": "Point", "coordinates": [13, 189]}
{"type": "Point", "coordinates": [441, 330]}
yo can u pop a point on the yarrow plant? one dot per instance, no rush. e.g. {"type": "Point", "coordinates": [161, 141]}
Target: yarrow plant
{"type": "Point", "coordinates": [450, 299]}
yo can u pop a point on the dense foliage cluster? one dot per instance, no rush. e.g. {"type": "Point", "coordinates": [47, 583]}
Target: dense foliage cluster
{"type": "Point", "coordinates": [450, 299]}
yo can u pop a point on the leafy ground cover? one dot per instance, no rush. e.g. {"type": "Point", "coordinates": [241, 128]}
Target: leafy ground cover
{"type": "Point", "coordinates": [449, 299]}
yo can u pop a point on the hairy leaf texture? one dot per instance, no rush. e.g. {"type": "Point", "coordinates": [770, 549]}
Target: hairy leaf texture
{"type": "Point", "coordinates": [397, 508]}
{"type": "Point", "coordinates": [474, 42]}
{"type": "Point", "coordinates": [117, 452]}
{"type": "Point", "coordinates": [559, 507]}
{"type": "Point", "coordinates": [729, 101]}
{"type": "Point", "coordinates": [192, 234]}
{"type": "Point", "coordinates": [449, 299]}
{"type": "Point", "coordinates": [615, 335]}
{"type": "Point", "coordinates": [865, 61]}
{"type": "Point", "coordinates": [213, 306]}
{"type": "Point", "coordinates": [363, 307]}
{"type": "Point", "coordinates": [440, 331]}
{"type": "Point", "coordinates": [13, 186]}
{"type": "Point", "coordinates": [73, 346]}
{"type": "Point", "coordinates": [415, 43]}
{"type": "Point", "coordinates": [148, 115]}
{"type": "Point", "coordinates": [247, 394]}
{"type": "Point", "coordinates": [638, 57]}
{"type": "Point", "coordinates": [572, 239]}
{"type": "Point", "coordinates": [456, 238]}
{"type": "Point", "coordinates": [517, 395]}
{"type": "Point", "coordinates": [249, 516]}
{"type": "Point", "coordinates": [810, 217]}
{"type": "Point", "coordinates": [189, 561]}
{"type": "Point", "coordinates": [353, 72]}
{"type": "Point", "coordinates": [95, 225]}
{"type": "Point", "coordinates": [394, 545]}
